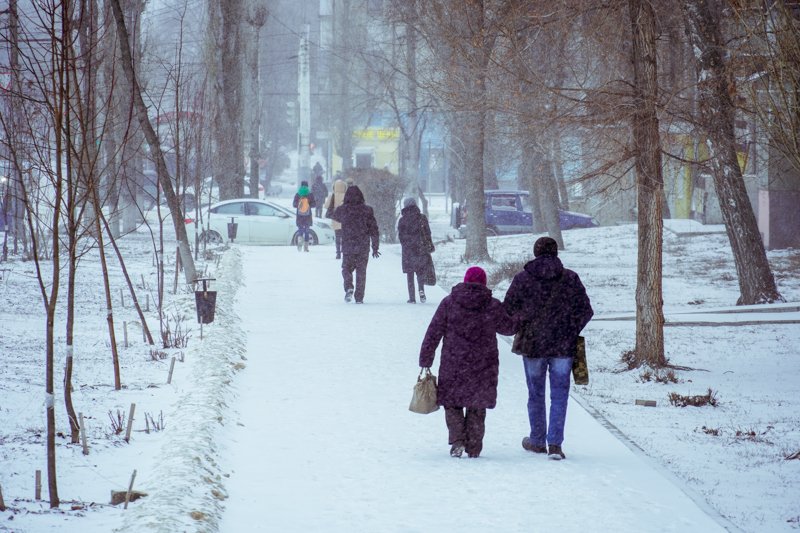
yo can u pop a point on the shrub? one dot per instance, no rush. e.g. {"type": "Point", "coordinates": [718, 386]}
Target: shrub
{"type": "Point", "coordinates": [383, 192]}
{"type": "Point", "coordinates": [117, 421]}
{"type": "Point", "coordinates": [679, 400]}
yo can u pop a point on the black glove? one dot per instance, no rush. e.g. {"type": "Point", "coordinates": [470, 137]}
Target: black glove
{"type": "Point", "coordinates": [376, 254]}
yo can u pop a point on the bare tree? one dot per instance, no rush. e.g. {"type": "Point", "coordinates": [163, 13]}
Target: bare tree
{"type": "Point", "coordinates": [462, 39]}
{"type": "Point", "coordinates": [717, 115]}
{"type": "Point", "coordinates": [164, 178]}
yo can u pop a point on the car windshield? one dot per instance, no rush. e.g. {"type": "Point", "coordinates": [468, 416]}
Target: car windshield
{"type": "Point", "coordinates": [505, 202]}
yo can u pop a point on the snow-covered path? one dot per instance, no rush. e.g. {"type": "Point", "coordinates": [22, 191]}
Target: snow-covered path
{"type": "Point", "coordinates": [326, 441]}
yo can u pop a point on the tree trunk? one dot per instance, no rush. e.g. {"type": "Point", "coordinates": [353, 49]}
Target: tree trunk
{"type": "Point", "coordinates": [106, 285]}
{"type": "Point", "coordinates": [548, 197]}
{"type": "Point", "coordinates": [717, 115]}
{"type": "Point", "coordinates": [128, 281]}
{"type": "Point", "coordinates": [226, 18]}
{"type": "Point", "coordinates": [476, 249]}
{"type": "Point", "coordinates": [649, 348]}
{"type": "Point", "coordinates": [155, 147]}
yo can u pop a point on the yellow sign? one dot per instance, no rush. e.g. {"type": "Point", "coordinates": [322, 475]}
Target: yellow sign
{"type": "Point", "coordinates": [379, 134]}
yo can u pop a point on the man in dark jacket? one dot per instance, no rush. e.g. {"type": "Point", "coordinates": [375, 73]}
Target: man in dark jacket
{"type": "Point", "coordinates": [551, 307]}
{"type": "Point", "coordinates": [359, 227]}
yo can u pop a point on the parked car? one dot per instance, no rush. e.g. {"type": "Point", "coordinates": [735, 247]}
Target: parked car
{"type": "Point", "coordinates": [259, 222]}
{"type": "Point", "coordinates": [508, 211]}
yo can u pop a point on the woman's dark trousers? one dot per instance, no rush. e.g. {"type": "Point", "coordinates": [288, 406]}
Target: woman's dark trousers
{"type": "Point", "coordinates": [466, 428]}
{"type": "Point", "coordinates": [410, 282]}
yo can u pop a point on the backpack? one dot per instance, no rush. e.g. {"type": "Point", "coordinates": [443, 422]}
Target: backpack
{"type": "Point", "coordinates": [303, 207]}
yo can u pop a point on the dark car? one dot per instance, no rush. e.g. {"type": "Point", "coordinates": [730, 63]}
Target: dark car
{"type": "Point", "coordinates": [508, 211]}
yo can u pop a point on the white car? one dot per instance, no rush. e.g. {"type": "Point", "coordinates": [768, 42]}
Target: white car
{"type": "Point", "coordinates": [258, 222]}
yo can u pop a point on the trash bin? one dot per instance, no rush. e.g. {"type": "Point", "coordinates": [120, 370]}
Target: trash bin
{"type": "Point", "coordinates": [206, 302]}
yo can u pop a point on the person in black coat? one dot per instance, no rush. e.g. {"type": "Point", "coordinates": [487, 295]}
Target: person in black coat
{"type": "Point", "coordinates": [359, 230]}
{"type": "Point", "coordinates": [416, 244]}
{"type": "Point", "coordinates": [320, 191]}
{"type": "Point", "coordinates": [551, 307]}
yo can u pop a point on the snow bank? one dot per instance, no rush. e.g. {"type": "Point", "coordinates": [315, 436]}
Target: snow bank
{"type": "Point", "coordinates": [192, 493]}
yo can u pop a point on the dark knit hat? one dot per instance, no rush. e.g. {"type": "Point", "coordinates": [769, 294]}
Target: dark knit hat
{"type": "Point", "coordinates": [475, 274]}
{"type": "Point", "coordinates": [409, 201]}
{"type": "Point", "coordinates": [304, 183]}
{"type": "Point", "coordinates": [545, 246]}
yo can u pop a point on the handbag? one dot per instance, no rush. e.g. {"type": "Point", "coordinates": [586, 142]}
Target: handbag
{"type": "Point", "coordinates": [428, 274]}
{"type": "Point", "coordinates": [423, 400]}
{"type": "Point", "coordinates": [580, 370]}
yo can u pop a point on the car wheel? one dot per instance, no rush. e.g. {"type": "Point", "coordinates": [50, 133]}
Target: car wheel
{"type": "Point", "coordinates": [211, 237]}
{"type": "Point", "coordinates": [312, 238]}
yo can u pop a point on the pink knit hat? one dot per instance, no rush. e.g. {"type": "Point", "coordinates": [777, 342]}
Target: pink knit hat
{"type": "Point", "coordinates": [475, 275]}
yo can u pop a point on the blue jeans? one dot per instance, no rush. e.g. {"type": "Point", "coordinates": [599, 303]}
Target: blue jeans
{"type": "Point", "coordinates": [304, 232]}
{"type": "Point", "coordinates": [535, 370]}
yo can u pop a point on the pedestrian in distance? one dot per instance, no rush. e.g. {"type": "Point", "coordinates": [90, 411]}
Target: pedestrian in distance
{"type": "Point", "coordinates": [467, 322]}
{"type": "Point", "coordinates": [320, 191]}
{"type": "Point", "coordinates": [336, 199]}
{"type": "Point", "coordinates": [303, 202]}
{"type": "Point", "coordinates": [551, 306]}
{"type": "Point", "coordinates": [359, 233]}
{"type": "Point", "coordinates": [414, 233]}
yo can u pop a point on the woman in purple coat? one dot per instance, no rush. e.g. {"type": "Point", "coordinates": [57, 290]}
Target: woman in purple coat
{"type": "Point", "coordinates": [468, 321]}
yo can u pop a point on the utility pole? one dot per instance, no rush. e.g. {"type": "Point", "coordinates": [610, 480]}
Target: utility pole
{"type": "Point", "coordinates": [304, 90]}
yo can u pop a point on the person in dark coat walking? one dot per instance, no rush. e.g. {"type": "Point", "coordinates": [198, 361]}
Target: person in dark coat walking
{"type": "Point", "coordinates": [303, 218]}
{"type": "Point", "coordinates": [416, 244]}
{"type": "Point", "coordinates": [551, 307]}
{"type": "Point", "coordinates": [320, 191]}
{"type": "Point", "coordinates": [359, 230]}
{"type": "Point", "coordinates": [466, 322]}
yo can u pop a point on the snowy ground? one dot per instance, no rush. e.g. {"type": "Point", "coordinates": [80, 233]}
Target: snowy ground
{"type": "Point", "coordinates": [275, 435]}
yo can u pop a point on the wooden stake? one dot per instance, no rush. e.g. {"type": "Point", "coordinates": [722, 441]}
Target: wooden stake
{"type": "Point", "coordinates": [130, 423]}
{"type": "Point", "coordinates": [124, 334]}
{"type": "Point", "coordinates": [146, 424]}
{"type": "Point", "coordinates": [147, 302]}
{"type": "Point", "coordinates": [130, 488]}
{"type": "Point", "coordinates": [38, 488]}
{"type": "Point", "coordinates": [171, 368]}
{"type": "Point", "coordinates": [177, 270]}
{"type": "Point", "coordinates": [2, 503]}
{"type": "Point", "coordinates": [121, 297]}
{"type": "Point", "coordinates": [83, 435]}
{"type": "Point", "coordinates": [143, 285]}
